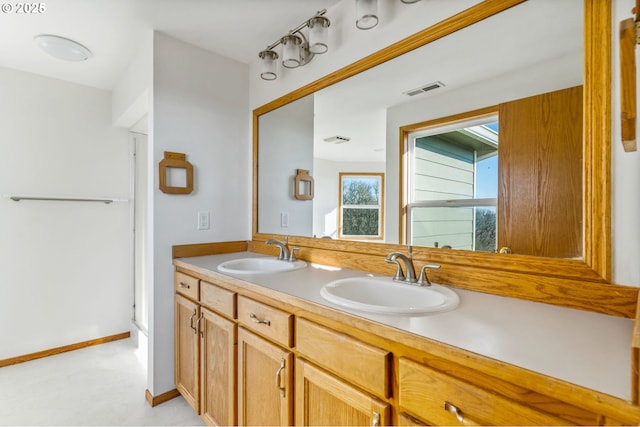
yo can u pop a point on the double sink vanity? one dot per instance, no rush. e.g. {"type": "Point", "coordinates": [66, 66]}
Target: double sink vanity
{"type": "Point", "coordinates": [530, 336]}
{"type": "Point", "coordinates": [262, 341]}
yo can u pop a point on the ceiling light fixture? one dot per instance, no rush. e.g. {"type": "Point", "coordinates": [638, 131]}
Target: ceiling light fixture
{"type": "Point", "coordinates": [297, 49]}
{"type": "Point", "coordinates": [366, 14]}
{"type": "Point", "coordinates": [62, 48]}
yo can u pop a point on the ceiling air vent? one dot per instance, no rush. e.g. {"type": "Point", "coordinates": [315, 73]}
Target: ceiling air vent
{"type": "Point", "coordinates": [337, 139]}
{"type": "Point", "coordinates": [423, 89]}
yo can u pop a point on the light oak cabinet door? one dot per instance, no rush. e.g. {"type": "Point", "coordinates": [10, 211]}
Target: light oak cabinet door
{"type": "Point", "coordinates": [187, 352]}
{"type": "Point", "coordinates": [218, 338]}
{"type": "Point", "coordinates": [265, 375]}
{"type": "Point", "coordinates": [322, 399]}
{"type": "Point", "coordinates": [540, 169]}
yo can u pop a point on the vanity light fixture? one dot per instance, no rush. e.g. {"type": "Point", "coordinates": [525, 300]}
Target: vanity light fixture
{"type": "Point", "coordinates": [366, 14]}
{"type": "Point", "coordinates": [268, 64]}
{"type": "Point", "coordinates": [297, 49]}
{"type": "Point", "coordinates": [62, 48]}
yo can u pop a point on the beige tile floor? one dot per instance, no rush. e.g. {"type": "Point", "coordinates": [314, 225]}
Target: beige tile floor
{"type": "Point", "coordinates": [101, 385]}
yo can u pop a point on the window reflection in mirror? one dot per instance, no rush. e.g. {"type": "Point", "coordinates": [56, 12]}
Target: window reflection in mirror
{"type": "Point", "coordinates": [361, 206]}
{"type": "Point", "coordinates": [452, 178]}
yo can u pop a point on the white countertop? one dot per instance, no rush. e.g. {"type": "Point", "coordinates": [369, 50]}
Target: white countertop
{"type": "Point", "coordinates": [584, 348]}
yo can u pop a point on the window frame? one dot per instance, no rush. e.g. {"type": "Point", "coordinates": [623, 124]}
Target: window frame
{"type": "Point", "coordinates": [433, 127]}
{"type": "Point", "coordinates": [380, 207]}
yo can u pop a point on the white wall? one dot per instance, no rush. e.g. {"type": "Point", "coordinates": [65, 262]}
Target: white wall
{"type": "Point", "coordinates": [130, 96]}
{"type": "Point", "coordinates": [288, 130]}
{"type": "Point", "coordinates": [65, 273]}
{"type": "Point", "coordinates": [200, 108]}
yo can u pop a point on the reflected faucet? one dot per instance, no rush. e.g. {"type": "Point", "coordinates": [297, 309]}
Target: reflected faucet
{"type": "Point", "coordinates": [283, 246]}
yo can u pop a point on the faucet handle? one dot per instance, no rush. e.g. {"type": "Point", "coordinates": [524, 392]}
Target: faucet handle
{"type": "Point", "coordinates": [292, 255]}
{"type": "Point", "coordinates": [423, 280]}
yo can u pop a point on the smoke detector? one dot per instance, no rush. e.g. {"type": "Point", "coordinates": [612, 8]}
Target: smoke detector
{"type": "Point", "coordinates": [337, 139]}
{"type": "Point", "coordinates": [424, 88]}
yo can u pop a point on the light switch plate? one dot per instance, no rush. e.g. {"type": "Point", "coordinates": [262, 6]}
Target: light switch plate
{"type": "Point", "coordinates": [203, 220]}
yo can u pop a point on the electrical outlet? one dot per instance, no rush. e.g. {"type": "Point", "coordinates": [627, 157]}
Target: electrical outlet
{"type": "Point", "coordinates": [203, 220]}
{"type": "Point", "coordinates": [284, 219]}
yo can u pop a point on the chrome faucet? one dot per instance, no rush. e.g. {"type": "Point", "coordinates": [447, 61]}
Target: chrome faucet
{"type": "Point", "coordinates": [396, 257]}
{"type": "Point", "coordinates": [283, 246]}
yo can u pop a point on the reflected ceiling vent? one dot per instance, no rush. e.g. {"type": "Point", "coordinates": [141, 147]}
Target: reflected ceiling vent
{"type": "Point", "coordinates": [337, 139]}
{"type": "Point", "coordinates": [423, 89]}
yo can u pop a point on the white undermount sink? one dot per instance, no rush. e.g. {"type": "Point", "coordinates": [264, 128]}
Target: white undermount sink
{"type": "Point", "coordinates": [384, 296]}
{"type": "Point", "coordinates": [259, 265]}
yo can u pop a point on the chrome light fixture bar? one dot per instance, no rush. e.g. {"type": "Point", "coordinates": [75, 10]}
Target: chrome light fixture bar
{"type": "Point", "coordinates": [297, 49]}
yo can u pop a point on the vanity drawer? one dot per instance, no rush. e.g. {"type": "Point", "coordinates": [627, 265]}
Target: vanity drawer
{"type": "Point", "coordinates": [440, 399]}
{"type": "Point", "coordinates": [359, 363]}
{"type": "Point", "coordinates": [270, 322]}
{"type": "Point", "coordinates": [218, 299]}
{"type": "Point", "coordinates": [186, 285]}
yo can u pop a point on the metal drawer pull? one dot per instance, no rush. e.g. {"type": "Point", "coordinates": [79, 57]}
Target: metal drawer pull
{"type": "Point", "coordinates": [454, 410]}
{"type": "Point", "coordinates": [184, 286]}
{"type": "Point", "coordinates": [279, 378]}
{"type": "Point", "coordinates": [375, 422]}
{"type": "Point", "coordinates": [195, 311]}
{"type": "Point", "coordinates": [256, 320]}
{"type": "Point", "coordinates": [197, 328]}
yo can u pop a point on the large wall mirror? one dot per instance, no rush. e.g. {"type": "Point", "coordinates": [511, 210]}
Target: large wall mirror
{"type": "Point", "coordinates": [362, 121]}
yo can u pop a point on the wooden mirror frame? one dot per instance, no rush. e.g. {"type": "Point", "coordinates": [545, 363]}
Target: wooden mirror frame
{"type": "Point", "coordinates": [582, 284]}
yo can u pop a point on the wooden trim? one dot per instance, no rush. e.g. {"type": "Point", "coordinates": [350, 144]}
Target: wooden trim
{"type": "Point", "coordinates": [203, 249]}
{"type": "Point", "coordinates": [63, 349]}
{"type": "Point", "coordinates": [161, 398]}
{"type": "Point", "coordinates": [597, 137]}
{"type": "Point", "coordinates": [628, 105]}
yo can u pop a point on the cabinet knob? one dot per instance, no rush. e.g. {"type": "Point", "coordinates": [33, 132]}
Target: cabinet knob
{"type": "Point", "coordinates": [184, 286]}
{"type": "Point", "coordinates": [451, 408]}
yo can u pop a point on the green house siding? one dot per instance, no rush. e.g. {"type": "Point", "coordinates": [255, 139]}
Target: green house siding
{"type": "Point", "coordinates": [443, 171]}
